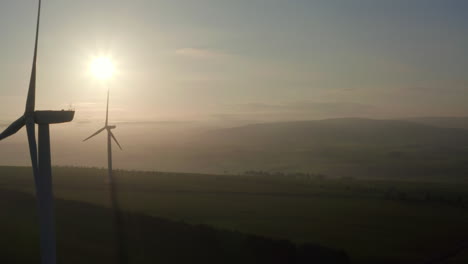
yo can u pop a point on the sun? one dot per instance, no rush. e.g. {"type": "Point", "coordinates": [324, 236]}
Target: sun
{"type": "Point", "coordinates": [102, 68]}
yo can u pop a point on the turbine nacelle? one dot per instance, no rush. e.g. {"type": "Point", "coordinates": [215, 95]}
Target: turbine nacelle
{"type": "Point", "coordinates": [53, 117]}
{"type": "Point", "coordinates": [40, 118]}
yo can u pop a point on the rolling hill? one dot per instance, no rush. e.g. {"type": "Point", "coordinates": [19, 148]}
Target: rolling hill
{"type": "Point", "coordinates": [449, 122]}
{"type": "Point", "coordinates": [339, 147]}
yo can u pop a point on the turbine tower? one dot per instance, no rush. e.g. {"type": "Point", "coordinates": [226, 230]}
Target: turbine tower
{"type": "Point", "coordinates": [41, 164]}
{"type": "Point", "coordinates": [118, 222]}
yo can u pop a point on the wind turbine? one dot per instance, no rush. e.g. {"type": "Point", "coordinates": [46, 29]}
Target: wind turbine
{"type": "Point", "coordinates": [41, 167]}
{"type": "Point", "coordinates": [118, 221]}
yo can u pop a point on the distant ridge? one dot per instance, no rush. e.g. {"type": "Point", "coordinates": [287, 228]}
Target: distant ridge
{"type": "Point", "coordinates": [339, 146]}
{"type": "Point", "coordinates": [448, 122]}
{"type": "Point", "coordinates": [348, 130]}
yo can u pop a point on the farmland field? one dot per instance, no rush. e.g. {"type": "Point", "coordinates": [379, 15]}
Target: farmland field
{"type": "Point", "coordinates": [373, 221]}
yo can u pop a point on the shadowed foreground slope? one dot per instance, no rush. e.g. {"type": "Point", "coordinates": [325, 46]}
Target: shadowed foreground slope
{"type": "Point", "coordinates": [85, 236]}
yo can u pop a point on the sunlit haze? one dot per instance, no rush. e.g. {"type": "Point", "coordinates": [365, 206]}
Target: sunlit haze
{"type": "Point", "coordinates": [102, 68]}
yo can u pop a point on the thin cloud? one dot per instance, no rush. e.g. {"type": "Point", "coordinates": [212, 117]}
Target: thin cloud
{"type": "Point", "coordinates": [198, 53]}
{"type": "Point", "coordinates": [84, 104]}
{"type": "Point", "coordinates": [299, 111]}
{"type": "Point", "coordinates": [155, 122]}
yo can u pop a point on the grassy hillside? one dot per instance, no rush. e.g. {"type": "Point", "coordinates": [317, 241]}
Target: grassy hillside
{"type": "Point", "coordinates": [374, 221]}
{"type": "Point", "coordinates": [85, 235]}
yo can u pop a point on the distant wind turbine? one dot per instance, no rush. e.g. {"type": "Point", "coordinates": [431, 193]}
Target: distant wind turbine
{"type": "Point", "coordinates": [41, 168]}
{"type": "Point", "coordinates": [118, 224]}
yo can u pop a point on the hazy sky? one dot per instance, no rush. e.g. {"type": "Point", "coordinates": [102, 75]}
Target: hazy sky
{"type": "Point", "coordinates": [226, 62]}
{"type": "Point", "coordinates": [240, 60]}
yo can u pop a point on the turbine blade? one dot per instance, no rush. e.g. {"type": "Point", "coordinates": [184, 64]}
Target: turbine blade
{"type": "Point", "coordinates": [97, 132]}
{"type": "Point", "coordinates": [31, 100]}
{"type": "Point", "coordinates": [13, 128]}
{"type": "Point", "coordinates": [113, 137]}
{"type": "Point", "coordinates": [30, 128]}
{"type": "Point", "coordinates": [107, 107]}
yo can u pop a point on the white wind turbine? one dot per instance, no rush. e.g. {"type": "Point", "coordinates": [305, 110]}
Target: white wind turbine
{"type": "Point", "coordinates": [41, 164]}
{"type": "Point", "coordinates": [103, 71]}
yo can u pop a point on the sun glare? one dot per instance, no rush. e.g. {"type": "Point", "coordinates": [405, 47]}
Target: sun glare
{"type": "Point", "coordinates": [102, 68]}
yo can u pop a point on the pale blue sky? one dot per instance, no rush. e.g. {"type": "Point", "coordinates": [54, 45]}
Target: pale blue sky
{"type": "Point", "coordinates": [258, 60]}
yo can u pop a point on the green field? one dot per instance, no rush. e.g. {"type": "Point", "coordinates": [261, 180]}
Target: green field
{"type": "Point", "coordinates": [373, 221]}
{"type": "Point", "coordinates": [84, 235]}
